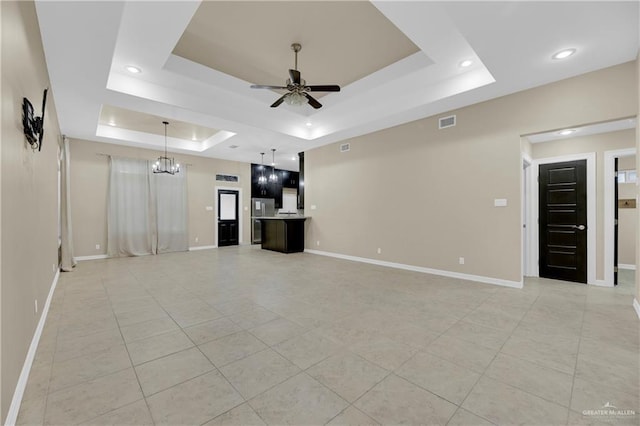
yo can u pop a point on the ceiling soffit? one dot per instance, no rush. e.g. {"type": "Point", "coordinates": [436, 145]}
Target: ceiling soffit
{"type": "Point", "coordinates": [148, 123]}
{"type": "Point", "coordinates": [342, 41]}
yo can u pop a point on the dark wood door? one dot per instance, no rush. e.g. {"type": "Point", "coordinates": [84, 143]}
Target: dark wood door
{"type": "Point", "coordinates": [227, 218]}
{"type": "Point", "coordinates": [563, 221]}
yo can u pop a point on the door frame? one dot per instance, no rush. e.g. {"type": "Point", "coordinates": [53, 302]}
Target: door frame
{"type": "Point", "coordinates": [534, 254]}
{"type": "Point", "coordinates": [527, 163]}
{"type": "Point", "coordinates": [240, 210]}
{"type": "Point", "coordinates": [609, 195]}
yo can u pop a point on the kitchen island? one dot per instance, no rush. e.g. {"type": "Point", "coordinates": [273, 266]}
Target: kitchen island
{"type": "Point", "coordinates": [283, 234]}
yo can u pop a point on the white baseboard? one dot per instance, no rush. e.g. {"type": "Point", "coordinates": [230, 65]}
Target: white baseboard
{"type": "Point", "coordinates": [94, 257]}
{"type": "Point", "coordinates": [201, 248]}
{"type": "Point", "coordinates": [601, 283]}
{"type": "Point", "coordinates": [636, 306]}
{"type": "Point", "coordinates": [625, 266]}
{"type": "Point", "coordinates": [14, 408]}
{"type": "Point", "coordinates": [450, 274]}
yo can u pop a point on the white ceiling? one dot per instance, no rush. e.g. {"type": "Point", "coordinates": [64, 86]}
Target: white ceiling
{"type": "Point", "coordinates": [88, 44]}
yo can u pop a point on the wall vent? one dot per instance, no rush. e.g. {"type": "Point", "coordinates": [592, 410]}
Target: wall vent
{"type": "Point", "coordinates": [227, 178]}
{"type": "Point", "coordinates": [233, 146]}
{"type": "Point", "coordinates": [345, 147]}
{"type": "Point", "coordinates": [445, 122]}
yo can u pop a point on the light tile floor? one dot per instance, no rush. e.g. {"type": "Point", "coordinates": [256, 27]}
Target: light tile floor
{"type": "Point", "coordinates": [245, 336]}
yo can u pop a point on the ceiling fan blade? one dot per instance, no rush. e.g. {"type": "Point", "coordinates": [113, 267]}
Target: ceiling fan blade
{"type": "Point", "coordinates": [313, 101]}
{"type": "Point", "coordinates": [279, 101]}
{"type": "Point", "coordinates": [295, 76]}
{"type": "Point", "coordinates": [324, 88]}
{"type": "Point", "coordinates": [262, 86]}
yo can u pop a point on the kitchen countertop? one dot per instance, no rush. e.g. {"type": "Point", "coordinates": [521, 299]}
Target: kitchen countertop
{"type": "Point", "coordinates": [284, 217]}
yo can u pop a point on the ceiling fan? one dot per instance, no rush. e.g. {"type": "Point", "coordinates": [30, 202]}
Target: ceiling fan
{"type": "Point", "coordinates": [298, 91]}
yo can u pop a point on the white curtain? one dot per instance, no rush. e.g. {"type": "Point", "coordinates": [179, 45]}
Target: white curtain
{"type": "Point", "coordinates": [147, 212]}
{"type": "Point", "coordinates": [129, 222]}
{"type": "Point", "coordinates": [67, 262]}
{"type": "Point", "coordinates": [170, 193]}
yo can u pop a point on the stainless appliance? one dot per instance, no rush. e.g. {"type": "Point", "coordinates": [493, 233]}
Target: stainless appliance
{"type": "Point", "coordinates": [260, 207]}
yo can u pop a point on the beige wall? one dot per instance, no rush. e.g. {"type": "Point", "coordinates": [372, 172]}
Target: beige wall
{"type": "Point", "coordinates": [89, 186]}
{"type": "Point", "coordinates": [637, 86]}
{"type": "Point", "coordinates": [425, 196]}
{"type": "Point", "coordinates": [29, 193]}
{"type": "Point", "coordinates": [627, 218]}
{"type": "Point", "coordinates": [598, 144]}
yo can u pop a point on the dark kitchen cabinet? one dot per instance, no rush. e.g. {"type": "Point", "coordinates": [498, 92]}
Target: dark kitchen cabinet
{"type": "Point", "coordinates": [283, 235]}
{"type": "Point", "coordinates": [275, 192]}
{"type": "Point", "coordinates": [271, 189]}
{"type": "Point", "coordinates": [259, 190]}
{"type": "Point", "coordinates": [289, 179]}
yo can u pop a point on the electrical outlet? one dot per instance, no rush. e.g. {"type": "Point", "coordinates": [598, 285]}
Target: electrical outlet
{"type": "Point", "coordinates": [318, 242]}
{"type": "Point", "coordinates": [379, 250]}
{"type": "Point", "coordinates": [313, 206]}
{"type": "Point", "coordinates": [97, 246]}
{"type": "Point", "coordinates": [461, 260]}
{"type": "Point", "coordinates": [196, 239]}
{"type": "Point", "coordinates": [35, 302]}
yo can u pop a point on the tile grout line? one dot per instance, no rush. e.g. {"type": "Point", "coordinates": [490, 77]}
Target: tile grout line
{"type": "Point", "coordinates": [493, 359]}
{"type": "Point", "coordinates": [575, 367]}
{"type": "Point", "coordinates": [196, 346]}
{"type": "Point", "coordinates": [53, 356]}
{"type": "Point", "coordinates": [130, 360]}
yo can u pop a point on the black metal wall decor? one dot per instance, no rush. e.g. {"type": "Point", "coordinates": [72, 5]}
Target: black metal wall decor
{"type": "Point", "coordinates": [33, 127]}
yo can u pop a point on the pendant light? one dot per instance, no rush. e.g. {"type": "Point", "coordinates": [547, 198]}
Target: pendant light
{"type": "Point", "coordinates": [273, 177]}
{"type": "Point", "coordinates": [262, 179]}
{"type": "Point", "coordinates": [164, 164]}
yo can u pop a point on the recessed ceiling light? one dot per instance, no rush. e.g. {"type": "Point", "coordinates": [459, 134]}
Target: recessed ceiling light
{"type": "Point", "coordinates": [466, 63]}
{"type": "Point", "coordinates": [564, 54]}
{"type": "Point", "coordinates": [293, 158]}
{"type": "Point", "coordinates": [309, 124]}
{"type": "Point", "coordinates": [566, 132]}
{"type": "Point", "coordinates": [112, 123]}
{"type": "Point", "coordinates": [132, 69]}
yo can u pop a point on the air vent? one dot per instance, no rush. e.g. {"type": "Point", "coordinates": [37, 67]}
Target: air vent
{"type": "Point", "coordinates": [227, 178]}
{"type": "Point", "coordinates": [345, 147]}
{"type": "Point", "coordinates": [233, 146]}
{"type": "Point", "coordinates": [445, 122]}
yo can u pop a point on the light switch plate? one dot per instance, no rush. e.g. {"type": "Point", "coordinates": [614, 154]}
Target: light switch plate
{"type": "Point", "coordinates": [209, 208]}
{"type": "Point", "coordinates": [500, 202]}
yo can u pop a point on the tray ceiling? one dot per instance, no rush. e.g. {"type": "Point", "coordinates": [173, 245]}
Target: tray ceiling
{"type": "Point", "coordinates": [397, 62]}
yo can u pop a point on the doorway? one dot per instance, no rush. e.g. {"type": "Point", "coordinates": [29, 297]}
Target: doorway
{"type": "Point", "coordinates": [228, 223]}
{"type": "Point", "coordinates": [616, 261]}
{"type": "Point", "coordinates": [534, 215]}
{"type": "Point", "coordinates": [563, 221]}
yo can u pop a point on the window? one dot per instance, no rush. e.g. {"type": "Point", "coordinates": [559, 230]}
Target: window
{"type": "Point", "coordinates": [227, 178]}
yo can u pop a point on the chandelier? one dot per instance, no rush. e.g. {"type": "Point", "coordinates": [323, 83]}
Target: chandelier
{"type": "Point", "coordinates": [262, 179]}
{"type": "Point", "coordinates": [164, 164]}
{"type": "Point", "coordinates": [273, 177]}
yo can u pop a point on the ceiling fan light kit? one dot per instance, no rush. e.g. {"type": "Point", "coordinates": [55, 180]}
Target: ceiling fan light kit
{"type": "Point", "coordinates": [298, 90]}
